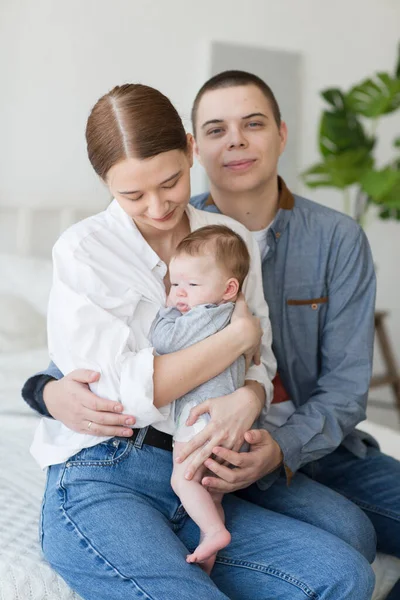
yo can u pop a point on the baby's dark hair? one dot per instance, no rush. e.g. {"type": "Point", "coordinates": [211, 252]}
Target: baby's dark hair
{"type": "Point", "coordinates": [221, 242]}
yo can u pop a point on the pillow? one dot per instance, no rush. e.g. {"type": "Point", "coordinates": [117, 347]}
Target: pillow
{"type": "Point", "coordinates": [27, 278]}
{"type": "Point", "coordinates": [22, 327]}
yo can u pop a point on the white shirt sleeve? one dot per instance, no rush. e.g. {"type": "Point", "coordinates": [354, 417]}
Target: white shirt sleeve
{"type": "Point", "coordinates": [90, 326]}
{"type": "Point", "coordinates": [254, 294]}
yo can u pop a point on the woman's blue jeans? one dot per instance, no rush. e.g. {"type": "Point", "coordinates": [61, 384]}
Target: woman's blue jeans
{"type": "Point", "coordinates": [114, 530]}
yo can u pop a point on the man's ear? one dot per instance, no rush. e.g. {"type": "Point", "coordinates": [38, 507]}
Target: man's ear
{"type": "Point", "coordinates": [196, 151]}
{"type": "Point", "coordinates": [283, 134]}
{"type": "Point", "coordinates": [190, 144]}
{"type": "Point", "coordinates": [231, 289]}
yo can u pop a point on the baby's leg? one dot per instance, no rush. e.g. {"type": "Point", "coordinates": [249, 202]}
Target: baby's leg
{"type": "Point", "coordinates": [207, 565]}
{"type": "Point", "coordinates": [207, 514]}
{"type": "Point", "coordinates": [217, 499]}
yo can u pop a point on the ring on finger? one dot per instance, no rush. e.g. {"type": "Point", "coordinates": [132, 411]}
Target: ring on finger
{"type": "Point", "coordinates": [89, 424]}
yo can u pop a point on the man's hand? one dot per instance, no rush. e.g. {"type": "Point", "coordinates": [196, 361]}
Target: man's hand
{"type": "Point", "coordinates": [263, 457]}
{"type": "Point", "coordinates": [231, 417]}
{"type": "Point", "coordinates": [70, 401]}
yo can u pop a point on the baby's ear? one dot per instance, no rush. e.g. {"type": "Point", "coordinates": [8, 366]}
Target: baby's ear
{"type": "Point", "coordinates": [231, 289]}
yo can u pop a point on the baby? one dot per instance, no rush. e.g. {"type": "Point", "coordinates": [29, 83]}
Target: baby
{"type": "Point", "coordinates": [206, 273]}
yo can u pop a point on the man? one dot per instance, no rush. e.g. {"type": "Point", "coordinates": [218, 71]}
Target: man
{"type": "Point", "coordinates": [320, 286]}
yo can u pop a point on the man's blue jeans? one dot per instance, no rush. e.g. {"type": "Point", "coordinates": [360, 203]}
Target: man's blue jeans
{"type": "Point", "coordinates": [320, 494]}
{"type": "Point", "coordinates": [113, 528]}
{"type": "Point", "coordinates": [373, 483]}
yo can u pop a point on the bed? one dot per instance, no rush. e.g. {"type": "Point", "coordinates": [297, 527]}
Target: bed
{"type": "Point", "coordinates": [24, 286]}
{"type": "Point", "coordinates": [24, 575]}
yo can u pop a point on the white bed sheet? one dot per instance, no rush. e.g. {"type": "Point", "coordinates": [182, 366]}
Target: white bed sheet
{"type": "Point", "coordinates": [24, 574]}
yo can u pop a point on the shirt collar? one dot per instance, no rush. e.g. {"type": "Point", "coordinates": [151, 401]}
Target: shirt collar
{"type": "Point", "coordinates": [149, 256]}
{"type": "Point", "coordinates": [141, 247]}
{"type": "Point", "coordinates": [285, 206]}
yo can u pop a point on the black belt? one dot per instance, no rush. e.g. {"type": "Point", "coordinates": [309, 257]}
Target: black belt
{"type": "Point", "coordinates": [156, 438]}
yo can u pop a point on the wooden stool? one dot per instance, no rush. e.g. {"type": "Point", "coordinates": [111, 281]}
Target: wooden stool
{"type": "Point", "coordinates": [391, 377]}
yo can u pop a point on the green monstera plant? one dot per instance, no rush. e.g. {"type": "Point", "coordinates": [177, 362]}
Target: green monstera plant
{"type": "Point", "coordinates": [347, 141]}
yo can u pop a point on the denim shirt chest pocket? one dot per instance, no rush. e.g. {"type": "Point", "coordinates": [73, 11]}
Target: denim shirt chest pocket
{"type": "Point", "coordinates": [305, 308]}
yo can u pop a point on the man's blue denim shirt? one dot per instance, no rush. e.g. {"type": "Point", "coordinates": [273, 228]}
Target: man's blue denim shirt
{"type": "Point", "coordinates": [319, 283]}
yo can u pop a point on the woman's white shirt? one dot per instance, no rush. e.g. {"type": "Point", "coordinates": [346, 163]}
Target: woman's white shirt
{"type": "Point", "coordinates": [108, 285]}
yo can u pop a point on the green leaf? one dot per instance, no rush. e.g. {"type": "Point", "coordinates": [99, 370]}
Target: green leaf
{"type": "Point", "coordinates": [334, 97]}
{"type": "Point", "coordinates": [397, 68]}
{"type": "Point", "coordinates": [385, 214]}
{"type": "Point", "coordinates": [375, 97]}
{"type": "Point", "coordinates": [318, 176]}
{"type": "Point", "coordinates": [383, 187]}
{"type": "Point", "coordinates": [390, 213]}
{"type": "Point", "coordinates": [377, 184]}
{"type": "Point", "coordinates": [396, 143]}
{"type": "Point", "coordinates": [339, 171]}
{"type": "Point", "coordinates": [341, 131]}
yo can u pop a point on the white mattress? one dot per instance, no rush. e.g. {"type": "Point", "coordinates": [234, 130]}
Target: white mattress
{"type": "Point", "coordinates": [24, 575]}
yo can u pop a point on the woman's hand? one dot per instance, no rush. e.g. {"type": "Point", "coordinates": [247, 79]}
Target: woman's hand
{"type": "Point", "coordinates": [249, 330]}
{"type": "Point", "coordinates": [70, 401]}
{"type": "Point", "coordinates": [231, 417]}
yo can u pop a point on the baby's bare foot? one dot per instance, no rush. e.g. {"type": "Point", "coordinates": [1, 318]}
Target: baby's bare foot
{"type": "Point", "coordinates": [207, 565]}
{"type": "Point", "coordinates": [206, 551]}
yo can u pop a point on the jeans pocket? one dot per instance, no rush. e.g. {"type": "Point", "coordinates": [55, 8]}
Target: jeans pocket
{"type": "Point", "coordinates": [105, 453]}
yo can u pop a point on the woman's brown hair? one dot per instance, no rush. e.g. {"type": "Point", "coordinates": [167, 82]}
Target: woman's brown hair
{"type": "Point", "coordinates": [132, 121]}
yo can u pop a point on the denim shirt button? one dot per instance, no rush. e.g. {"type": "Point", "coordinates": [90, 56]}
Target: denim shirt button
{"type": "Point", "coordinates": [314, 306]}
{"type": "Point", "coordinates": [278, 235]}
{"type": "Point", "coordinates": [115, 443]}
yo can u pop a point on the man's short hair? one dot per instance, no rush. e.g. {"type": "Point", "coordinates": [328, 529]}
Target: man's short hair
{"type": "Point", "coordinates": [223, 244]}
{"type": "Point", "coordinates": [228, 79]}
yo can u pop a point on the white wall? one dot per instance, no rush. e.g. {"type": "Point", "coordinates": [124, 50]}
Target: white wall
{"type": "Point", "coordinates": [57, 58]}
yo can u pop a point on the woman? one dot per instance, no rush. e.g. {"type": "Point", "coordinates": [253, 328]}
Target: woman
{"type": "Point", "coordinates": [111, 525]}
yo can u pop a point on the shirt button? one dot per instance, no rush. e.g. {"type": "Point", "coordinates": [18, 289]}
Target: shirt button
{"type": "Point", "coordinates": [68, 464]}
{"type": "Point", "coordinates": [314, 306]}
{"type": "Point", "coordinates": [115, 443]}
{"type": "Point", "coordinates": [278, 235]}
